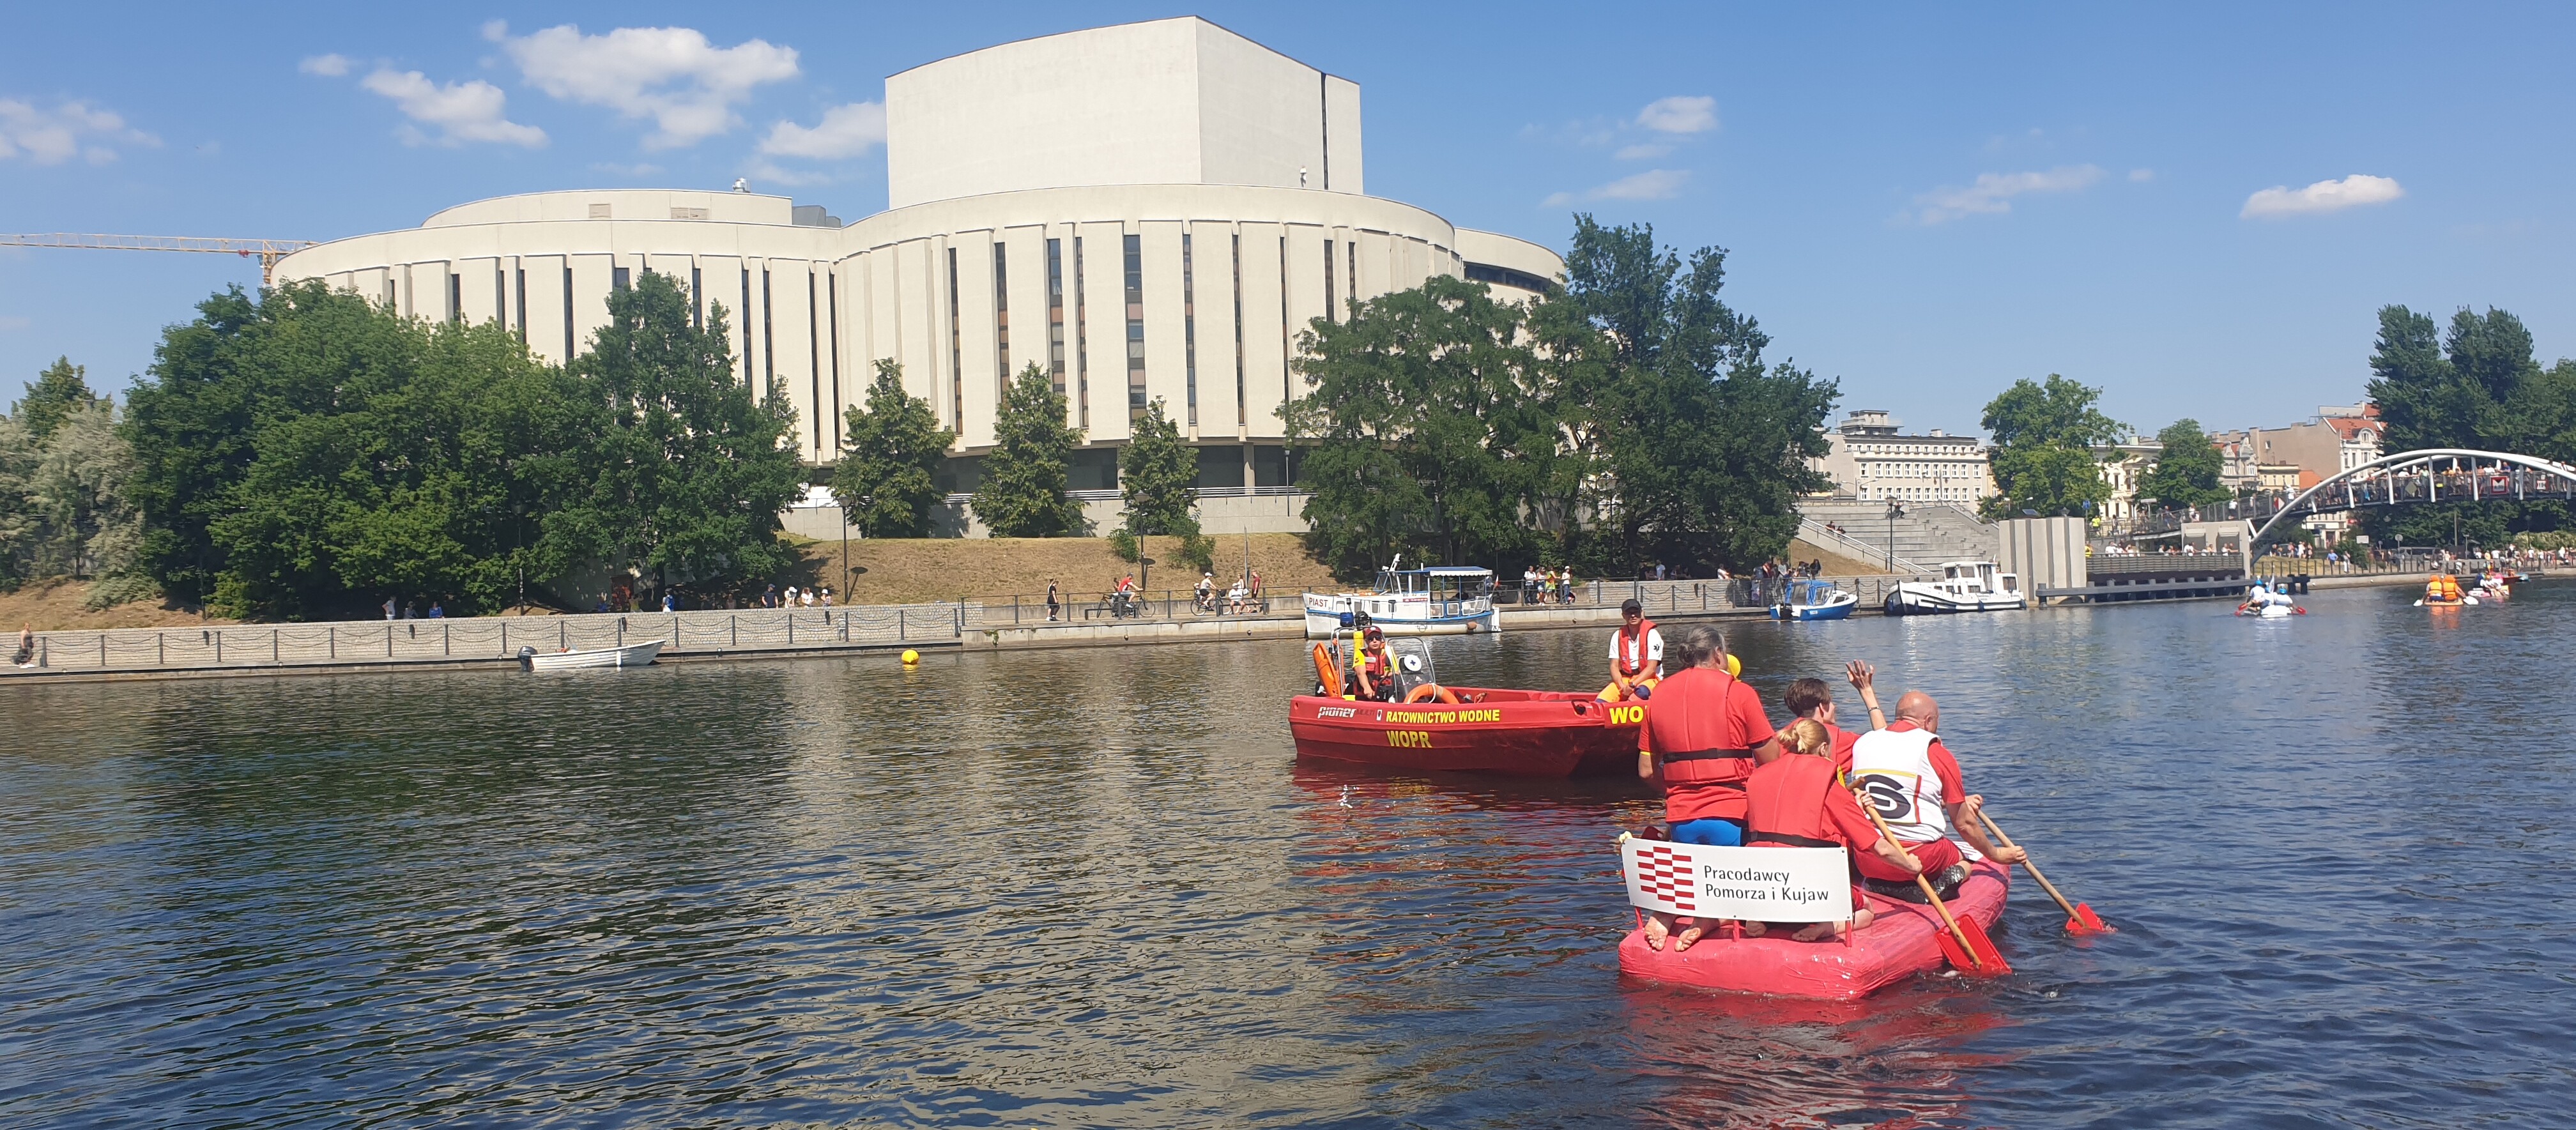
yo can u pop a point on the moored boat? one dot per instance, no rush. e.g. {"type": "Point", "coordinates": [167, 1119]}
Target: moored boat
{"type": "Point", "coordinates": [1965, 586]}
{"type": "Point", "coordinates": [1438, 600]}
{"type": "Point", "coordinates": [630, 655]}
{"type": "Point", "coordinates": [1901, 942]}
{"type": "Point", "coordinates": [1815, 600]}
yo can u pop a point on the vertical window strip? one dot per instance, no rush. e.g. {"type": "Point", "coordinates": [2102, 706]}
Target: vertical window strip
{"type": "Point", "coordinates": [1055, 312]}
{"type": "Point", "coordinates": [1001, 320]}
{"type": "Point", "coordinates": [742, 325]}
{"type": "Point", "coordinates": [1135, 272]}
{"type": "Point", "coordinates": [1239, 422]}
{"type": "Point", "coordinates": [956, 354]}
{"type": "Point", "coordinates": [1351, 257]}
{"type": "Point", "coordinates": [523, 304]}
{"type": "Point", "coordinates": [697, 299]}
{"type": "Point", "coordinates": [1081, 341]}
{"type": "Point", "coordinates": [500, 299]}
{"type": "Point", "coordinates": [455, 297]}
{"type": "Point", "coordinates": [1284, 394]}
{"type": "Point", "coordinates": [1190, 334]}
{"type": "Point", "coordinates": [814, 356]}
{"type": "Point", "coordinates": [768, 335]}
{"type": "Point", "coordinates": [832, 305]}
{"type": "Point", "coordinates": [567, 312]}
{"type": "Point", "coordinates": [1332, 305]}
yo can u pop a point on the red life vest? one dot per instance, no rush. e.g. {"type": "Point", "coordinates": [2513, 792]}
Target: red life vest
{"type": "Point", "coordinates": [1693, 734]}
{"type": "Point", "coordinates": [1633, 660]}
{"type": "Point", "coordinates": [1785, 801]}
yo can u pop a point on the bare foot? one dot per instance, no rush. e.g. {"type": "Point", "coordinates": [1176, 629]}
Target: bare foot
{"type": "Point", "coordinates": [1687, 938]}
{"type": "Point", "coordinates": [1656, 931]}
{"type": "Point", "coordinates": [1755, 929]}
{"type": "Point", "coordinates": [1816, 932]}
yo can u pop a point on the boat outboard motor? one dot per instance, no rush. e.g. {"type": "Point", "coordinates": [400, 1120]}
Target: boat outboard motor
{"type": "Point", "coordinates": [527, 658]}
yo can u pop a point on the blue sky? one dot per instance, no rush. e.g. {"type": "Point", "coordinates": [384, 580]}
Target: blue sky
{"type": "Point", "coordinates": [1924, 202]}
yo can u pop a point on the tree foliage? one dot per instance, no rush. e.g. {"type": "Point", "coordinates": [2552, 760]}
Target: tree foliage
{"type": "Point", "coordinates": [2187, 468]}
{"type": "Point", "coordinates": [309, 453]}
{"type": "Point", "coordinates": [65, 478]}
{"type": "Point", "coordinates": [57, 392]}
{"type": "Point", "coordinates": [1629, 416]}
{"type": "Point", "coordinates": [886, 481]}
{"type": "Point", "coordinates": [2044, 436]}
{"type": "Point", "coordinates": [2474, 385]}
{"type": "Point", "coordinates": [1159, 476]}
{"type": "Point", "coordinates": [1022, 492]}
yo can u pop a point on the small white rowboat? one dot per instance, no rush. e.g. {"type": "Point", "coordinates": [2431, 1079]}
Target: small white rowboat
{"type": "Point", "coordinates": [631, 655]}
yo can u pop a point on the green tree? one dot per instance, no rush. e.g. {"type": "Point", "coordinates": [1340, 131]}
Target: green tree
{"type": "Point", "coordinates": [2045, 436]}
{"type": "Point", "coordinates": [60, 390]}
{"type": "Point", "coordinates": [686, 471]}
{"type": "Point", "coordinates": [1159, 476]}
{"type": "Point", "coordinates": [1022, 493]}
{"type": "Point", "coordinates": [885, 480]}
{"type": "Point", "coordinates": [1698, 451]}
{"type": "Point", "coordinates": [2478, 386]}
{"type": "Point", "coordinates": [2186, 470]}
{"type": "Point", "coordinates": [1428, 430]}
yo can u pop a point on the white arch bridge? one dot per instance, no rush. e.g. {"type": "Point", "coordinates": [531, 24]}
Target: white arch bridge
{"type": "Point", "coordinates": [2441, 474]}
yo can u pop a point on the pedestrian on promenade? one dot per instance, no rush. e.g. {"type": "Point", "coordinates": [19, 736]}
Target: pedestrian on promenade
{"type": "Point", "coordinates": [791, 597]}
{"type": "Point", "coordinates": [668, 603]}
{"type": "Point", "coordinates": [769, 597]}
{"type": "Point", "coordinates": [827, 596]}
{"type": "Point", "coordinates": [1256, 587]}
{"type": "Point", "coordinates": [26, 653]}
{"type": "Point", "coordinates": [437, 611]}
{"type": "Point", "coordinates": [389, 608]}
{"type": "Point", "coordinates": [1052, 606]}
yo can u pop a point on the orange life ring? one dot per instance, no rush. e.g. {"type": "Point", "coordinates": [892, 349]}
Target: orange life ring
{"type": "Point", "coordinates": [1428, 691]}
{"type": "Point", "coordinates": [1328, 672]}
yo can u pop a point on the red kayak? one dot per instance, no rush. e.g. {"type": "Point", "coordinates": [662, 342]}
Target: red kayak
{"type": "Point", "coordinates": [1516, 733]}
{"type": "Point", "coordinates": [1898, 944]}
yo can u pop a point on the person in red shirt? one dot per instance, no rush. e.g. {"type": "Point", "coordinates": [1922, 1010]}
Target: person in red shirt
{"type": "Point", "coordinates": [1704, 732]}
{"type": "Point", "coordinates": [1799, 801]}
{"type": "Point", "coordinates": [1914, 782]}
{"type": "Point", "coordinates": [1811, 698]}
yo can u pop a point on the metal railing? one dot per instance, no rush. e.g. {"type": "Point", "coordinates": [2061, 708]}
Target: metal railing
{"type": "Point", "coordinates": [1852, 547]}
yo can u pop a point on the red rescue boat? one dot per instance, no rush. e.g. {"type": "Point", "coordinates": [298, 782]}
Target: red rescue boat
{"type": "Point", "coordinates": [1512, 732]}
{"type": "Point", "coordinates": [1900, 943]}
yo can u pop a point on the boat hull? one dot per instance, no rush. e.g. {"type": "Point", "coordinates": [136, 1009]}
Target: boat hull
{"type": "Point", "coordinates": [1903, 603]}
{"type": "Point", "coordinates": [631, 655]}
{"type": "Point", "coordinates": [1898, 945]}
{"type": "Point", "coordinates": [1324, 625]}
{"type": "Point", "coordinates": [1509, 732]}
{"type": "Point", "coordinates": [1831, 610]}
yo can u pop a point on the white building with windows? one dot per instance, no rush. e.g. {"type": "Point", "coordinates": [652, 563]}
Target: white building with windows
{"type": "Point", "coordinates": [1148, 210]}
{"type": "Point", "coordinates": [1869, 458]}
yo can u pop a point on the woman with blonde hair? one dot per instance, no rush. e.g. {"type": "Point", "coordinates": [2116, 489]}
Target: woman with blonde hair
{"type": "Point", "coordinates": [1798, 800]}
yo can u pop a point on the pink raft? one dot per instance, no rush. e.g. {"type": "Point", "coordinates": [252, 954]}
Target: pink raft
{"type": "Point", "coordinates": [1897, 945]}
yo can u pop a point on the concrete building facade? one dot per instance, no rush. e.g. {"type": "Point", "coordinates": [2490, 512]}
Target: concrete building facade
{"type": "Point", "coordinates": [1869, 457]}
{"type": "Point", "coordinates": [1153, 210]}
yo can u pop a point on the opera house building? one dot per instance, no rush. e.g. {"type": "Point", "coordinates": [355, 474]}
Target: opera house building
{"type": "Point", "coordinates": [1148, 210]}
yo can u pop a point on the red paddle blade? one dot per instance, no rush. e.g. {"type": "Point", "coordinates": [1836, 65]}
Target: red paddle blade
{"type": "Point", "coordinates": [2087, 922]}
{"type": "Point", "coordinates": [1981, 958]}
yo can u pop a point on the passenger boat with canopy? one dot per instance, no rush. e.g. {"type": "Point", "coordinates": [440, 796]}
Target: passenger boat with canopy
{"type": "Point", "coordinates": [1814, 600]}
{"type": "Point", "coordinates": [1441, 728]}
{"type": "Point", "coordinates": [1437, 600]}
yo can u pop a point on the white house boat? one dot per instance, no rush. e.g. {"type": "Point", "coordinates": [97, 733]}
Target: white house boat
{"type": "Point", "coordinates": [631, 655]}
{"type": "Point", "coordinates": [1441, 599]}
{"type": "Point", "coordinates": [1965, 586]}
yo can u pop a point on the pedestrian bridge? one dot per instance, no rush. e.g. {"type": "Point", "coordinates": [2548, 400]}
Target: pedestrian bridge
{"type": "Point", "coordinates": [2429, 475]}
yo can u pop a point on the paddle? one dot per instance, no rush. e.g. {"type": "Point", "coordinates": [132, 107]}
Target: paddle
{"type": "Point", "coordinates": [2080, 918]}
{"type": "Point", "coordinates": [1974, 955]}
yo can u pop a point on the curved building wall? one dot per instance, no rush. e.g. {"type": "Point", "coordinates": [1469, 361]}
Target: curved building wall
{"type": "Point", "coordinates": [961, 292]}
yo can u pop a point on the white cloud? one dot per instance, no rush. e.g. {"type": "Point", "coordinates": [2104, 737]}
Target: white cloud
{"type": "Point", "coordinates": [462, 111]}
{"type": "Point", "coordinates": [771, 172]}
{"type": "Point", "coordinates": [11, 323]}
{"type": "Point", "coordinates": [845, 131]}
{"type": "Point", "coordinates": [1653, 184]}
{"type": "Point", "coordinates": [640, 169]}
{"type": "Point", "coordinates": [1557, 200]}
{"type": "Point", "coordinates": [71, 129]}
{"type": "Point", "coordinates": [2140, 176]}
{"type": "Point", "coordinates": [1993, 193]}
{"type": "Point", "coordinates": [1641, 152]}
{"type": "Point", "coordinates": [2324, 196]}
{"type": "Point", "coordinates": [672, 75]}
{"type": "Point", "coordinates": [1679, 115]}
{"type": "Point", "coordinates": [328, 66]}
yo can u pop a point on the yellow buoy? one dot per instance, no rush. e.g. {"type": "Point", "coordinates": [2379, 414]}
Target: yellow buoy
{"type": "Point", "coordinates": [910, 657]}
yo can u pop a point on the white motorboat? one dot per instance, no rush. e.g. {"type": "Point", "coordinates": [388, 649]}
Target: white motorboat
{"type": "Point", "coordinates": [1965, 586]}
{"type": "Point", "coordinates": [1439, 600]}
{"type": "Point", "coordinates": [1815, 600]}
{"type": "Point", "coordinates": [631, 655]}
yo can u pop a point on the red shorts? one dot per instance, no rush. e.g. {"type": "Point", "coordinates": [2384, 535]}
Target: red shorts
{"type": "Point", "coordinates": [1932, 854]}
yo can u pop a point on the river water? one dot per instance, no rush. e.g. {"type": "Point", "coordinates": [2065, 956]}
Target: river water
{"type": "Point", "coordinates": [1096, 888]}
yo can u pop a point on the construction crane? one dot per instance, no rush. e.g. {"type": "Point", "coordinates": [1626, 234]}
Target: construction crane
{"type": "Point", "coordinates": [269, 251]}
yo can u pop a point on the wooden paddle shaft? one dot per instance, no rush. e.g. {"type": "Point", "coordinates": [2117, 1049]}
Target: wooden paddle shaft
{"type": "Point", "coordinates": [2027, 864]}
{"type": "Point", "coordinates": [1925, 882]}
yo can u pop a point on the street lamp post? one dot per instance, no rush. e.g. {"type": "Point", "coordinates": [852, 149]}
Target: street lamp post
{"type": "Point", "coordinates": [1895, 510]}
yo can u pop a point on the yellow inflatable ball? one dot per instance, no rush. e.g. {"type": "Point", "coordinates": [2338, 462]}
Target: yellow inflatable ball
{"type": "Point", "coordinates": [911, 657]}
{"type": "Point", "coordinates": [1734, 667]}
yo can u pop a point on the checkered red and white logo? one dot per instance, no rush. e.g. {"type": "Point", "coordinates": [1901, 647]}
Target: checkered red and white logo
{"type": "Point", "coordinates": [1661, 875]}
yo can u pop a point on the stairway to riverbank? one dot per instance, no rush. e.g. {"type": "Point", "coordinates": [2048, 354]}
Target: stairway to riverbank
{"type": "Point", "coordinates": [1928, 534]}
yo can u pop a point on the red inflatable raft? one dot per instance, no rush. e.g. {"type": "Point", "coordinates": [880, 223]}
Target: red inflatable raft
{"type": "Point", "coordinates": [1897, 945]}
{"type": "Point", "coordinates": [1518, 733]}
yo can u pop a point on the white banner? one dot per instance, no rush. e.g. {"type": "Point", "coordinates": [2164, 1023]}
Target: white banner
{"type": "Point", "coordinates": [1763, 884]}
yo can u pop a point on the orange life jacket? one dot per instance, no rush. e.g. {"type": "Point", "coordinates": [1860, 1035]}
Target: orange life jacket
{"type": "Point", "coordinates": [1691, 732]}
{"type": "Point", "coordinates": [1633, 660]}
